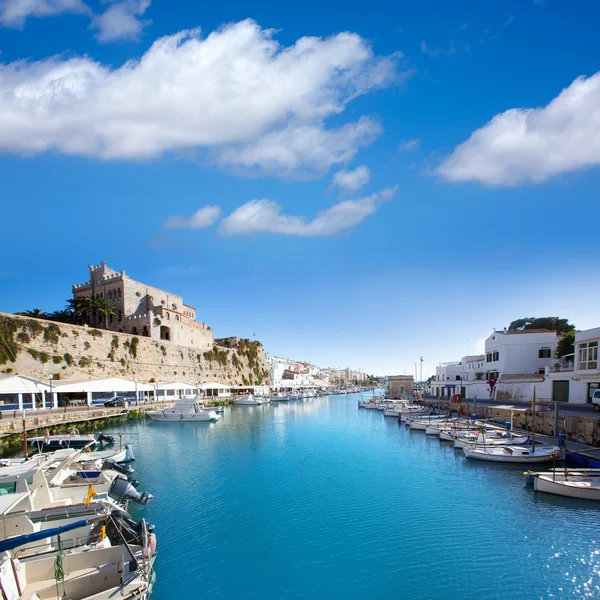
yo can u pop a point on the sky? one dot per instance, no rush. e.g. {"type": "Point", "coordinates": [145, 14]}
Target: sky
{"type": "Point", "coordinates": [358, 188]}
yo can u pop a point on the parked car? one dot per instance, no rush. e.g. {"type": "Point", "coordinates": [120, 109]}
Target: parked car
{"type": "Point", "coordinates": [596, 400]}
{"type": "Point", "coordinates": [118, 401]}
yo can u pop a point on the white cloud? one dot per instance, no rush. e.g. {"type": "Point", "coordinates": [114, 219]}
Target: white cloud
{"type": "Point", "coordinates": [264, 216]}
{"type": "Point", "coordinates": [352, 180]}
{"type": "Point", "coordinates": [14, 13]}
{"type": "Point", "coordinates": [202, 218]}
{"type": "Point", "coordinates": [531, 145]}
{"type": "Point", "coordinates": [302, 147]}
{"type": "Point", "coordinates": [121, 21]}
{"type": "Point", "coordinates": [237, 92]}
{"type": "Point", "coordinates": [410, 145]}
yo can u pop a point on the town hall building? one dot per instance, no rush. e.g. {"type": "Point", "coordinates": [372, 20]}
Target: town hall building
{"type": "Point", "coordinates": [145, 310]}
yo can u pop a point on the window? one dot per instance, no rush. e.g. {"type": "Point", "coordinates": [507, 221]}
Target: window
{"type": "Point", "coordinates": [167, 315]}
{"type": "Point", "coordinates": [587, 355]}
{"type": "Point", "coordinates": [177, 317]}
{"type": "Point", "coordinates": [492, 356]}
{"type": "Point", "coordinates": [545, 353]}
{"type": "Point", "coordinates": [458, 378]}
{"type": "Point", "coordinates": [488, 357]}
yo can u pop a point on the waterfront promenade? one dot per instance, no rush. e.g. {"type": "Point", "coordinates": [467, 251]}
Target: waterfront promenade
{"type": "Point", "coordinates": [11, 422]}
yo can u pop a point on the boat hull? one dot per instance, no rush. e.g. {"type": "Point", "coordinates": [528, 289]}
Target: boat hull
{"type": "Point", "coordinates": [181, 418]}
{"type": "Point", "coordinates": [478, 454]}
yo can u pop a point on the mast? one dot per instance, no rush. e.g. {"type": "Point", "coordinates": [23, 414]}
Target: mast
{"type": "Point", "coordinates": [533, 422]}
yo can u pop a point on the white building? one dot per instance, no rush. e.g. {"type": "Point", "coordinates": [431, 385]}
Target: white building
{"type": "Point", "coordinates": [448, 379]}
{"type": "Point", "coordinates": [586, 364]}
{"type": "Point", "coordinates": [574, 378]}
{"type": "Point", "coordinates": [519, 352]}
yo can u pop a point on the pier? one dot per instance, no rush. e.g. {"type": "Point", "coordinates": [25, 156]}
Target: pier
{"type": "Point", "coordinates": [13, 423]}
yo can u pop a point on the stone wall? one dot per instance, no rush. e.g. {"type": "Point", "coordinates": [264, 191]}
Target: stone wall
{"type": "Point", "coordinates": [42, 349]}
{"type": "Point", "coordinates": [400, 384]}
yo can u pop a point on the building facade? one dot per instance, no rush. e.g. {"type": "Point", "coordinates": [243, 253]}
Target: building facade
{"type": "Point", "coordinates": [398, 385]}
{"type": "Point", "coordinates": [145, 310]}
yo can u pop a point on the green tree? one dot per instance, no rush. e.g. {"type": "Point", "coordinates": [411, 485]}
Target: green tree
{"type": "Point", "coordinates": [104, 307]}
{"type": "Point", "coordinates": [63, 316]}
{"type": "Point", "coordinates": [557, 324]}
{"type": "Point", "coordinates": [566, 344]}
{"type": "Point", "coordinates": [36, 313]}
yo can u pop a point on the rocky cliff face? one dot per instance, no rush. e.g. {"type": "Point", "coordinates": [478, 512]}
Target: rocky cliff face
{"type": "Point", "coordinates": [42, 349]}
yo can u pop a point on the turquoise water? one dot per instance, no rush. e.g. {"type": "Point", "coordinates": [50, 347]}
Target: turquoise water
{"type": "Point", "coordinates": [317, 499]}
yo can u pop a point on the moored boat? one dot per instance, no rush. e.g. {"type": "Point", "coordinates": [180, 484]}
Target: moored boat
{"type": "Point", "coordinates": [573, 483]}
{"type": "Point", "coordinates": [250, 400]}
{"type": "Point", "coordinates": [514, 454]}
{"type": "Point", "coordinates": [186, 410]}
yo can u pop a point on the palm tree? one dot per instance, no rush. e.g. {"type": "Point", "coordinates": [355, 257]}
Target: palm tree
{"type": "Point", "coordinates": [36, 313]}
{"type": "Point", "coordinates": [63, 316]}
{"type": "Point", "coordinates": [105, 307]}
{"type": "Point", "coordinates": [83, 308]}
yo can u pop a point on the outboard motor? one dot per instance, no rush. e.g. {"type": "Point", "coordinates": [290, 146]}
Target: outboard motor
{"type": "Point", "coordinates": [121, 523]}
{"type": "Point", "coordinates": [111, 465]}
{"type": "Point", "coordinates": [122, 490]}
{"type": "Point", "coordinates": [106, 439]}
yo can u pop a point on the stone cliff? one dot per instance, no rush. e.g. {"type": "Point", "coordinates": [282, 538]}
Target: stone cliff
{"type": "Point", "coordinates": [42, 349]}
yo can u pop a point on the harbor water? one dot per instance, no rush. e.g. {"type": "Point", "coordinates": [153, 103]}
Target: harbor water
{"type": "Point", "coordinates": [318, 499]}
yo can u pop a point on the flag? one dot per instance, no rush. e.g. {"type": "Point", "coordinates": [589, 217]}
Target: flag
{"type": "Point", "coordinates": [254, 335]}
{"type": "Point", "coordinates": [91, 493]}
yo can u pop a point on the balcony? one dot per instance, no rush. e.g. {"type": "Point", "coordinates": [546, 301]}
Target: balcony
{"type": "Point", "coordinates": [561, 366]}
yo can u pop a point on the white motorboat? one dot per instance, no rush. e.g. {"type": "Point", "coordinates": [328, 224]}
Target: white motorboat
{"type": "Point", "coordinates": [94, 569]}
{"type": "Point", "coordinates": [250, 400]}
{"type": "Point", "coordinates": [573, 483]}
{"type": "Point", "coordinates": [186, 410]}
{"type": "Point", "coordinates": [514, 454]}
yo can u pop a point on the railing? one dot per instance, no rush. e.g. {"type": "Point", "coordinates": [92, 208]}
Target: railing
{"type": "Point", "coordinates": [561, 366]}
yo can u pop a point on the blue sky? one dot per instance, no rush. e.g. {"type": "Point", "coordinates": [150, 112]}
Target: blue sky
{"type": "Point", "coordinates": [358, 187]}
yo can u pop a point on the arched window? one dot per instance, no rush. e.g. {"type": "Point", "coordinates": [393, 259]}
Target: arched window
{"type": "Point", "coordinates": [119, 294]}
{"type": "Point", "coordinates": [177, 317]}
{"type": "Point", "coordinates": [167, 315]}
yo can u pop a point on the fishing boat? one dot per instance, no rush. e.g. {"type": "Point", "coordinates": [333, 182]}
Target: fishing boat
{"type": "Point", "coordinates": [186, 410]}
{"type": "Point", "coordinates": [514, 454]}
{"type": "Point", "coordinates": [422, 423]}
{"type": "Point", "coordinates": [490, 439]}
{"type": "Point", "coordinates": [573, 483]}
{"type": "Point", "coordinates": [72, 440]}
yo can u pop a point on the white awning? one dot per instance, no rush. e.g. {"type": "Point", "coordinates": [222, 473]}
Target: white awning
{"type": "Point", "coordinates": [215, 386]}
{"type": "Point", "coordinates": [176, 385]}
{"type": "Point", "coordinates": [18, 384]}
{"type": "Point", "coordinates": [112, 384]}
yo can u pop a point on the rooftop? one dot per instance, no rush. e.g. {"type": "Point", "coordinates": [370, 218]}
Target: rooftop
{"type": "Point", "coordinates": [520, 331]}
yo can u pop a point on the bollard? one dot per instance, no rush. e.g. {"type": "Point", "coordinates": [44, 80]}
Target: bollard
{"type": "Point", "coordinates": [507, 425]}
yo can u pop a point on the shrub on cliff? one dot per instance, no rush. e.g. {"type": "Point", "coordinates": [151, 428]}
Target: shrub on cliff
{"type": "Point", "coordinates": [23, 337]}
{"type": "Point", "coordinates": [52, 333]}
